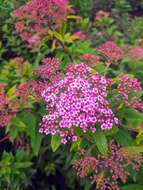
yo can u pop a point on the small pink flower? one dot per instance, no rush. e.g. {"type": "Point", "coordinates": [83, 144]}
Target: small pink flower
{"type": "Point", "coordinates": [101, 14]}
{"type": "Point", "coordinates": [80, 35]}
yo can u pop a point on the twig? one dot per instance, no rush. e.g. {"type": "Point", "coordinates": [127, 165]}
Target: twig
{"type": "Point", "coordinates": [4, 139]}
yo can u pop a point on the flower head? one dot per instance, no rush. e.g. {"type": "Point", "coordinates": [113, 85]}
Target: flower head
{"type": "Point", "coordinates": [49, 70]}
{"type": "Point", "coordinates": [77, 100]}
{"type": "Point", "coordinates": [110, 51]}
{"type": "Point", "coordinates": [37, 17]}
{"type": "Point", "coordinates": [128, 88]}
{"type": "Point", "coordinates": [90, 59]}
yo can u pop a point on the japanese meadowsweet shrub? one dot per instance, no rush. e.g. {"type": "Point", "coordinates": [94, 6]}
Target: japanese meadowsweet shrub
{"type": "Point", "coordinates": [80, 98]}
{"type": "Point", "coordinates": [35, 19]}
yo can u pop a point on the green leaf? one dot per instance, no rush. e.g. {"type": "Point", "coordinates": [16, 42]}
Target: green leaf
{"type": "Point", "coordinates": [15, 127]}
{"type": "Point", "coordinates": [112, 131]}
{"type": "Point", "coordinates": [123, 138]}
{"type": "Point", "coordinates": [134, 117]}
{"type": "Point", "coordinates": [36, 143]}
{"type": "Point", "coordinates": [55, 142]}
{"type": "Point", "coordinates": [11, 92]}
{"type": "Point", "coordinates": [30, 120]}
{"type": "Point", "coordinates": [132, 187]}
{"type": "Point", "coordinates": [101, 142]}
{"type": "Point", "coordinates": [18, 165]}
{"type": "Point", "coordinates": [18, 122]}
{"type": "Point", "coordinates": [75, 146]}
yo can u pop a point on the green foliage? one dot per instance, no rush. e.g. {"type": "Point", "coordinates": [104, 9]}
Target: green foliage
{"type": "Point", "coordinates": [84, 7]}
{"type": "Point", "coordinates": [55, 142]}
{"type": "Point", "coordinates": [133, 187]}
{"type": "Point", "coordinates": [14, 170]}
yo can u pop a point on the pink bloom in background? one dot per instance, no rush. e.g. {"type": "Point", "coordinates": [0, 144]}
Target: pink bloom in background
{"type": "Point", "coordinates": [129, 88]}
{"type": "Point", "coordinates": [80, 35]}
{"type": "Point", "coordinates": [34, 41]}
{"type": "Point", "coordinates": [111, 51]}
{"type": "Point", "coordinates": [38, 87]}
{"type": "Point", "coordinates": [24, 90]}
{"type": "Point", "coordinates": [136, 53]}
{"type": "Point", "coordinates": [37, 17]}
{"type": "Point", "coordinates": [77, 100]}
{"type": "Point", "coordinates": [49, 70]}
{"type": "Point", "coordinates": [90, 59]}
{"type": "Point", "coordinates": [101, 14]}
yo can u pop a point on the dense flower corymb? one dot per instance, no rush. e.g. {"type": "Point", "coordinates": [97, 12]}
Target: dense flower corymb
{"type": "Point", "coordinates": [135, 53]}
{"type": "Point", "coordinates": [37, 17]}
{"type": "Point", "coordinates": [128, 88]}
{"type": "Point", "coordinates": [49, 70]}
{"type": "Point", "coordinates": [110, 51]}
{"type": "Point", "coordinates": [78, 100]}
{"type": "Point", "coordinates": [90, 59]}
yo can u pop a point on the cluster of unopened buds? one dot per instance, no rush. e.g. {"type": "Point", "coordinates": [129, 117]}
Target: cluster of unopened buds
{"type": "Point", "coordinates": [130, 90]}
{"type": "Point", "coordinates": [90, 59]}
{"type": "Point", "coordinates": [77, 100]}
{"type": "Point", "coordinates": [50, 70]}
{"type": "Point", "coordinates": [37, 17]}
{"type": "Point", "coordinates": [110, 50]}
{"type": "Point", "coordinates": [135, 53]}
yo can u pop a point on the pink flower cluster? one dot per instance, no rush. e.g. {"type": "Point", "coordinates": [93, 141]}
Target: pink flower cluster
{"type": "Point", "coordinates": [37, 17]}
{"type": "Point", "coordinates": [49, 70]}
{"type": "Point", "coordinates": [105, 171]}
{"type": "Point", "coordinates": [110, 51]}
{"type": "Point", "coordinates": [80, 35]}
{"type": "Point", "coordinates": [90, 59]}
{"type": "Point", "coordinates": [78, 100]}
{"type": "Point", "coordinates": [135, 53]}
{"type": "Point", "coordinates": [101, 14]}
{"type": "Point", "coordinates": [129, 88]}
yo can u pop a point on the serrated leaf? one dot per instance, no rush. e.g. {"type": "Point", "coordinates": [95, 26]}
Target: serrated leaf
{"type": "Point", "coordinates": [55, 142]}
